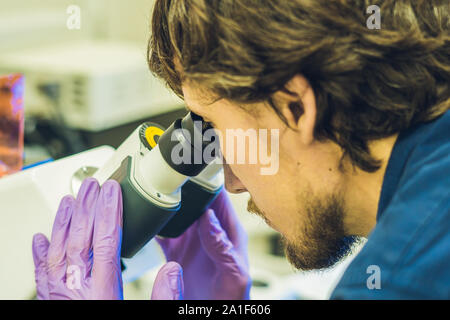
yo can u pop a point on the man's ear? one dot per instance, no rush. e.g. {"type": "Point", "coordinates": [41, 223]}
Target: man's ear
{"type": "Point", "coordinates": [297, 104]}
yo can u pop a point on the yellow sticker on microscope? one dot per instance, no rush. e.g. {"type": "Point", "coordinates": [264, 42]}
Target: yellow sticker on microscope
{"type": "Point", "coordinates": [151, 133]}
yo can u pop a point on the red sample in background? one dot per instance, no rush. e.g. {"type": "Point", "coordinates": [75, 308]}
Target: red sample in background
{"type": "Point", "coordinates": [11, 123]}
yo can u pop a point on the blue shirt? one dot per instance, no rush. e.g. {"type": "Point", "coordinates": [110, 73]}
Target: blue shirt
{"type": "Point", "coordinates": [407, 254]}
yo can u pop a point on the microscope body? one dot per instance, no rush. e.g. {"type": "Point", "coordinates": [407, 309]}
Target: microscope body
{"type": "Point", "coordinates": [157, 200]}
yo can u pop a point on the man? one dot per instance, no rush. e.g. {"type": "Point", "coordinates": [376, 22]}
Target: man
{"type": "Point", "coordinates": [364, 148]}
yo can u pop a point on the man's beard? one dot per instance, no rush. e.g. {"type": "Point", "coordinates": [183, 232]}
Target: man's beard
{"type": "Point", "coordinates": [320, 240]}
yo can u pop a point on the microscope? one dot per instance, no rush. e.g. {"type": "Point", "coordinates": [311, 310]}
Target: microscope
{"type": "Point", "coordinates": [167, 182]}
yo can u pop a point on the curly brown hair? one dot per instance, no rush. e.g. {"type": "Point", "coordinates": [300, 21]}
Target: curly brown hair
{"type": "Point", "coordinates": [368, 84]}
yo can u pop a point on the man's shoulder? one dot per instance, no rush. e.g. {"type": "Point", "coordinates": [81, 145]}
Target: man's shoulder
{"type": "Point", "coordinates": [409, 249]}
{"type": "Point", "coordinates": [408, 260]}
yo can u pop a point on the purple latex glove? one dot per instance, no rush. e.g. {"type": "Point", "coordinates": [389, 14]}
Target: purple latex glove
{"type": "Point", "coordinates": [168, 283]}
{"type": "Point", "coordinates": [82, 261]}
{"type": "Point", "coordinates": [213, 254]}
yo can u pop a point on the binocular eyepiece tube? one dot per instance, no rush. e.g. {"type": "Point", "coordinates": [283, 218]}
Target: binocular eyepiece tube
{"type": "Point", "coordinates": [180, 155]}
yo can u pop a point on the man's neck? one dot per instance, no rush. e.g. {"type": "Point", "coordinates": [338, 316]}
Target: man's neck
{"type": "Point", "coordinates": [363, 189]}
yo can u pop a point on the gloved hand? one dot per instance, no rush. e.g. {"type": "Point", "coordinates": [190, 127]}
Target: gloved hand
{"type": "Point", "coordinates": [82, 261]}
{"type": "Point", "coordinates": [213, 254]}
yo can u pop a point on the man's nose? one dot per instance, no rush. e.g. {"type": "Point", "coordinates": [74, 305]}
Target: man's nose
{"type": "Point", "coordinates": [232, 183]}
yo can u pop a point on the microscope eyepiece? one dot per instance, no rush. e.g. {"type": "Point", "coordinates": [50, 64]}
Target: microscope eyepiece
{"type": "Point", "coordinates": [183, 144]}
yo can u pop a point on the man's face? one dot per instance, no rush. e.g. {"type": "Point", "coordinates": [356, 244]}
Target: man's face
{"type": "Point", "coordinates": [302, 198]}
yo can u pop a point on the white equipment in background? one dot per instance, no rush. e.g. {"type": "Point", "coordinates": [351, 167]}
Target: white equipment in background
{"type": "Point", "coordinates": [93, 85]}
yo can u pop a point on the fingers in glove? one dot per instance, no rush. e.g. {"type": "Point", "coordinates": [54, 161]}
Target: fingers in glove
{"type": "Point", "coordinates": [40, 250]}
{"type": "Point", "coordinates": [215, 240]}
{"type": "Point", "coordinates": [169, 283]}
{"type": "Point", "coordinates": [79, 246]}
{"type": "Point", "coordinates": [106, 272]}
{"type": "Point", "coordinates": [233, 277]}
{"type": "Point", "coordinates": [56, 258]}
{"type": "Point", "coordinates": [228, 219]}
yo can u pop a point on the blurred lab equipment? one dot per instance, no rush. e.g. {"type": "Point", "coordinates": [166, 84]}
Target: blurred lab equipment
{"type": "Point", "coordinates": [11, 123]}
{"type": "Point", "coordinates": [85, 93]}
{"type": "Point", "coordinates": [85, 87]}
{"type": "Point", "coordinates": [91, 85]}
